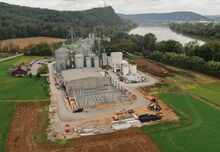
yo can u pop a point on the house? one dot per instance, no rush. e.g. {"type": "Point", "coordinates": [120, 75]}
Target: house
{"type": "Point", "coordinates": [19, 71]}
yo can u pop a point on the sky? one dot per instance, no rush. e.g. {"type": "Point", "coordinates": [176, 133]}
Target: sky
{"type": "Point", "coordinates": [204, 7]}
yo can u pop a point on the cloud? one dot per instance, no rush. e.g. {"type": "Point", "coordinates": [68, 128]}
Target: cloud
{"type": "Point", "coordinates": [127, 6]}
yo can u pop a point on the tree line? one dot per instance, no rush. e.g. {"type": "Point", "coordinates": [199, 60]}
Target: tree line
{"type": "Point", "coordinates": [210, 30]}
{"type": "Point", "coordinates": [187, 62]}
{"type": "Point", "coordinates": [41, 49]}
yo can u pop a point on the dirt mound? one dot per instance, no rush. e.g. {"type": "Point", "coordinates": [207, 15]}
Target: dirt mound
{"type": "Point", "coordinates": [145, 65]}
{"type": "Point", "coordinates": [28, 118]}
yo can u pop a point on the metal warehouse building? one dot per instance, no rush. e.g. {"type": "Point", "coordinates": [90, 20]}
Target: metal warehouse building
{"type": "Point", "coordinates": [90, 87]}
{"type": "Point", "coordinates": [84, 78]}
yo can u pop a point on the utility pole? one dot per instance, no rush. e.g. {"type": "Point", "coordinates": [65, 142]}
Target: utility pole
{"type": "Point", "coordinates": [105, 3]}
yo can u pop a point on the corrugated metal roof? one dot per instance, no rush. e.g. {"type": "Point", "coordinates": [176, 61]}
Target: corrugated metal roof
{"type": "Point", "coordinates": [80, 73]}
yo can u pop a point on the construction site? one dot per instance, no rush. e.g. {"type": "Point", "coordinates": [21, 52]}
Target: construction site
{"type": "Point", "coordinates": [93, 93]}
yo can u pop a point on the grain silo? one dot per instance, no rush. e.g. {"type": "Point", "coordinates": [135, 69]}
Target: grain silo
{"type": "Point", "coordinates": [96, 61]}
{"type": "Point", "coordinates": [88, 61]}
{"type": "Point", "coordinates": [62, 57]}
{"type": "Point", "coordinates": [79, 61]}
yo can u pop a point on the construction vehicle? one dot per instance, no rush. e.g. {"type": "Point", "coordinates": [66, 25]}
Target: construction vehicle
{"type": "Point", "coordinates": [154, 105]}
{"type": "Point", "coordinates": [115, 117]}
{"type": "Point", "coordinates": [78, 110]}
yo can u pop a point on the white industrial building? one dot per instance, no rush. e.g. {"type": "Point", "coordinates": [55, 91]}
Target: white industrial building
{"type": "Point", "coordinates": [84, 78]}
{"type": "Point", "coordinates": [128, 71]}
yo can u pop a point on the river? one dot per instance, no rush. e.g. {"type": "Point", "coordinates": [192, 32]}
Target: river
{"type": "Point", "coordinates": [163, 33]}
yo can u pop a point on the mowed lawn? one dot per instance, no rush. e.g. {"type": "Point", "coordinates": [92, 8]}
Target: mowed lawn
{"type": "Point", "coordinates": [209, 91]}
{"type": "Point", "coordinates": [6, 113]}
{"type": "Point", "coordinates": [197, 131]}
{"type": "Point", "coordinates": [27, 88]}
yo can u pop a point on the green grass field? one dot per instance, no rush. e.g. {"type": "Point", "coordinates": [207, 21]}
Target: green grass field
{"type": "Point", "coordinates": [208, 91]}
{"type": "Point", "coordinates": [197, 131]}
{"type": "Point", "coordinates": [6, 113]}
{"type": "Point", "coordinates": [27, 88]}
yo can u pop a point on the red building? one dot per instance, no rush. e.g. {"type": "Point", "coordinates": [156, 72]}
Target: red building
{"type": "Point", "coordinates": [20, 71]}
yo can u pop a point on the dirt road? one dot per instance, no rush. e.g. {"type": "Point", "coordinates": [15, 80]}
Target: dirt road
{"type": "Point", "coordinates": [29, 119]}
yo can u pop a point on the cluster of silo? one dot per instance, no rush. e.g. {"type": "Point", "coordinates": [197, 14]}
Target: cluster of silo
{"type": "Point", "coordinates": [86, 61]}
{"type": "Point", "coordinates": [63, 59]}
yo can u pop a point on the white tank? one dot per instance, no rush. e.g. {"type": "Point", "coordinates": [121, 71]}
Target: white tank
{"type": "Point", "coordinates": [88, 61]}
{"type": "Point", "coordinates": [79, 61]}
{"type": "Point", "coordinates": [96, 61]}
{"type": "Point", "coordinates": [125, 70]}
{"type": "Point", "coordinates": [116, 58]}
{"type": "Point", "coordinates": [133, 69]}
{"type": "Point", "coordinates": [63, 58]}
{"type": "Point", "coordinates": [104, 59]}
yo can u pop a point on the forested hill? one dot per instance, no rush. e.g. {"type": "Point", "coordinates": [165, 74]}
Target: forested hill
{"type": "Point", "coordinates": [174, 16]}
{"type": "Point", "coordinates": [18, 21]}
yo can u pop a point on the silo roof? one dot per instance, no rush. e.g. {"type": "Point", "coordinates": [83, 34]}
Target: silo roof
{"type": "Point", "coordinates": [62, 49]}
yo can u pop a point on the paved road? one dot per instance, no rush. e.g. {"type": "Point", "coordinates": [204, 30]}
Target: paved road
{"type": "Point", "coordinates": [11, 57]}
{"type": "Point", "coordinates": [66, 115]}
{"type": "Point", "coordinates": [37, 64]}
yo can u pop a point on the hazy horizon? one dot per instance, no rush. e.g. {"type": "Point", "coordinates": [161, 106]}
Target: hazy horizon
{"type": "Point", "coordinates": [204, 7]}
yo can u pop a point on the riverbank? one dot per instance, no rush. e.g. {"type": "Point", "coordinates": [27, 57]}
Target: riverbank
{"type": "Point", "coordinates": [163, 33]}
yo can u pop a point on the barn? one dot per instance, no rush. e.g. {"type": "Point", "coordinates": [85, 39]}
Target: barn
{"type": "Point", "coordinates": [19, 71]}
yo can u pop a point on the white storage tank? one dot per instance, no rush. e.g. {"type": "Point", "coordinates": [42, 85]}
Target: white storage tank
{"type": "Point", "coordinates": [79, 61]}
{"type": "Point", "coordinates": [62, 57]}
{"type": "Point", "coordinates": [125, 70]}
{"type": "Point", "coordinates": [88, 61]}
{"type": "Point", "coordinates": [133, 69]}
{"type": "Point", "coordinates": [96, 61]}
{"type": "Point", "coordinates": [104, 59]}
{"type": "Point", "coordinates": [116, 58]}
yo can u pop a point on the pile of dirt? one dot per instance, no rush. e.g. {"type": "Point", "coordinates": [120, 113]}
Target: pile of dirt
{"type": "Point", "coordinates": [28, 118]}
{"type": "Point", "coordinates": [151, 67]}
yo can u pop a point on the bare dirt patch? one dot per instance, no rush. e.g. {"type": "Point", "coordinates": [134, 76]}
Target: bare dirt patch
{"type": "Point", "coordinates": [152, 67]}
{"type": "Point", "coordinates": [23, 42]}
{"type": "Point", "coordinates": [28, 118]}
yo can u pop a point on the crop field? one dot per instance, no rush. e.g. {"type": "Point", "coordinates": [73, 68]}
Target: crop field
{"type": "Point", "coordinates": [198, 129]}
{"type": "Point", "coordinates": [22, 133]}
{"type": "Point", "coordinates": [28, 88]}
{"type": "Point", "coordinates": [6, 113]}
{"type": "Point", "coordinates": [23, 42]}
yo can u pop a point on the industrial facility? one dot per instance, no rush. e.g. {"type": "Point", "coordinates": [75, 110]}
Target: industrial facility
{"type": "Point", "coordinates": [95, 87]}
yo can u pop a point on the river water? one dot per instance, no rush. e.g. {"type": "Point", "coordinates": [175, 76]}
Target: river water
{"type": "Point", "coordinates": [163, 33]}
